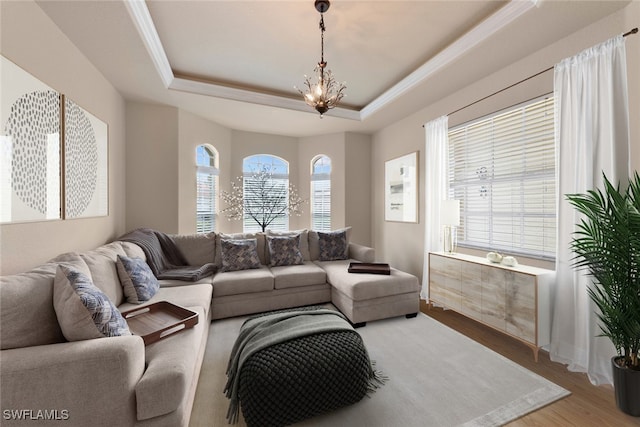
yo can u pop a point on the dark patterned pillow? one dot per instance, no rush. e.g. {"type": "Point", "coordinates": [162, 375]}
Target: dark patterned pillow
{"type": "Point", "coordinates": [84, 311]}
{"type": "Point", "coordinates": [138, 282]}
{"type": "Point", "coordinates": [284, 250]}
{"type": "Point", "coordinates": [239, 254]}
{"type": "Point", "coordinates": [333, 245]}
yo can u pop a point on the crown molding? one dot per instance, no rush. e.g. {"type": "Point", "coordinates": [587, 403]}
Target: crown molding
{"type": "Point", "coordinates": [141, 17]}
{"type": "Point", "coordinates": [144, 24]}
{"type": "Point", "coordinates": [226, 92]}
{"type": "Point", "coordinates": [468, 41]}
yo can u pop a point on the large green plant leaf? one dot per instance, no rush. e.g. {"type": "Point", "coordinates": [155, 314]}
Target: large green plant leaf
{"type": "Point", "coordinates": [607, 244]}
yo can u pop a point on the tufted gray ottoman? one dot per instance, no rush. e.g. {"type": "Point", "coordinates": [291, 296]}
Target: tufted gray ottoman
{"type": "Point", "coordinates": [306, 376]}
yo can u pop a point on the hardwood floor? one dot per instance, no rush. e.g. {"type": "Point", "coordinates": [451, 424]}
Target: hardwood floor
{"type": "Point", "coordinates": [587, 405]}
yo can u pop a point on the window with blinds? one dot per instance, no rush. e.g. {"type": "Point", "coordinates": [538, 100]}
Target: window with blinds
{"type": "Point", "coordinates": [206, 188]}
{"type": "Point", "coordinates": [502, 169]}
{"type": "Point", "coordinates": [321, 194]}
{"type": "Point", "coordinates": [265, 192]}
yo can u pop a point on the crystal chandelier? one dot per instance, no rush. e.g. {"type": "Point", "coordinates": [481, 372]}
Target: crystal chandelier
{"type": "Point", "coordinates": [327, 92]}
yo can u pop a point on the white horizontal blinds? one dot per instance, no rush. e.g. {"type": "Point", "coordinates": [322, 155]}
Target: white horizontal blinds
{"type": "Point", "coordinates": [266, 195]}
{"type": "Point", "coordinates": [206, 189]}
{"type": "Point", "coordinates": [502, 169]}
{"type": "Point", "coordinates": [321, 194]}
{"type": "Point", "coordinates": [321, 204]}
{"type": "Point", "coordinates": [206, 201]}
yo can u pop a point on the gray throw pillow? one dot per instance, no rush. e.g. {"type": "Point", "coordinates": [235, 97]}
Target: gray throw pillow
{"type": "Point", "coordinates": [239, 254]}
{"type": "Point", "coordinates": [333, 245]}
{"type": "Point", "coordinates": [84, 311]}
{"type": "Point", "coordinates": [284, 250]}
{"type": "Point", "coordinates": [138, 282]}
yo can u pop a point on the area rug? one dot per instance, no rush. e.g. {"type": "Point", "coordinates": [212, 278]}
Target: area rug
{"type": "Point", "coordinates": [437, 377]}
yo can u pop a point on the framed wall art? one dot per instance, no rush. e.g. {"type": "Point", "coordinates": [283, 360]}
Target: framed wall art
{"type": "Point", "coordinates": [86, 165]}
{"type": "Point", "coordinates": [401, 188]}
{"type": "Point", "coordinates": [30, 147]}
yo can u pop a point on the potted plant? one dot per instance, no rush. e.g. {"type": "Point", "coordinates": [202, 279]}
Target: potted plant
{"type": "Point", "coordinates": [607, 245]}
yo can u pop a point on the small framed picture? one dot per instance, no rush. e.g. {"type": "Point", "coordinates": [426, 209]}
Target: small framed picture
{"type": "Point", "coordinates": [401, 188]}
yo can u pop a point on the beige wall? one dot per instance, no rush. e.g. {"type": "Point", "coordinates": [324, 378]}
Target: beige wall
{"type": "Point", "coordinates": [348, 152]}
{"type": "Point", "coordinates": [31, 40]}
{"type": "Point", "coordinates": [357, 206]}
{"type": "Point", "coordinates": [159, 153]}
{"type": "Point", "coordinates": [350, 155]}
{"type": "Point", "coordinates": [194, 131]}
{"type": "Point", "coordinates": [161, 169]}
{"type": "Point", "coordinates": [332, 146]}
{"type": "Point", "coordinates": [244, 144]}
{"type": "Point", "coordinates": [152, 167]}
{"type": "Point", "coordinates": [161, 173]}
{"type": "Point", "coordinates": [402, 244]}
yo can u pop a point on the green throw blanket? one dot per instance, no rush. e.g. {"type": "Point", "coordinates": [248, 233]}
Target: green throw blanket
{"type": "Point", "coordinates": [261, 332]}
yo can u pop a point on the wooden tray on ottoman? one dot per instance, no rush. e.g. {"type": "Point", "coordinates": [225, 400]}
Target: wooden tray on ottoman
{"type": "Point", "coordinates": [369, 267]}
{"type": "Point", "coordinates": [156, 321]}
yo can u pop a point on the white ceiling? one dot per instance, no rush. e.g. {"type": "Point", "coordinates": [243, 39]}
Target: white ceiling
{"type": "Point", "coordinates": [236, 62]}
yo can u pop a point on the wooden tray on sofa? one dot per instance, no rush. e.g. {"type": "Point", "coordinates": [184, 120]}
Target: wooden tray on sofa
{"type": "Point", "coordinates": [369, 267]}
{"type": "Point", "coordinates": [159, 320]}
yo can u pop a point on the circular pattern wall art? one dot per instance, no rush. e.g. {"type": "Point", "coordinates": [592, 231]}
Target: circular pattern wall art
{"type": "Point", "coordinates": [32, 119]}
{"type": "Point", "coordinates": [81, 160]}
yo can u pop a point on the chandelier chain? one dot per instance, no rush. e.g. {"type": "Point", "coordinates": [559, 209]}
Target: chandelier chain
{"type": "Point", "coordinates": [326, 92]}
{"type": "Point", "coordinates": [322, 29]}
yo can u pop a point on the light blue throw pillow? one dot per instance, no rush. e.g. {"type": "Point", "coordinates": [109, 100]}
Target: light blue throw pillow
{"type": "Point", "coordinates": [83, 310]}
{"type": "Point", "coordinates": [138, 281]}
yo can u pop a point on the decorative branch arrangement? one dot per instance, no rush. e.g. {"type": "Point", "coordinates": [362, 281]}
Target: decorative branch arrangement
{"type": "Point", "coordinates": [265, 201]}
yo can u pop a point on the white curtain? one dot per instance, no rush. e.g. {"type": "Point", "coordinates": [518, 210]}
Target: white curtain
{"type": "Point", "coordinates": [592, 137]}
{"type": "Point", "coordinates": [436, 190]}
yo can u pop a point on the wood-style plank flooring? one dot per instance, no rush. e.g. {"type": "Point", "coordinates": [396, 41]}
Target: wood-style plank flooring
{"type": "Point", "coordinates": [587, 405]}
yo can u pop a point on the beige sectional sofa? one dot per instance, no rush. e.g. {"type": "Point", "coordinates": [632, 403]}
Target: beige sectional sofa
{"type": "Point", "coordinates": [97, 382]}
{"type": "Point", "coordinates": [119, 381]}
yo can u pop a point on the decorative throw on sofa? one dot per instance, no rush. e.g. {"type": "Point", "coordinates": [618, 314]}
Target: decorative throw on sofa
{"type": "Point", "coordinates": [164, 257]}
{"type": "Point", "coordinates": [269, 367]}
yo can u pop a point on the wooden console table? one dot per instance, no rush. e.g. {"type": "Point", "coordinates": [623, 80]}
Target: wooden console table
{"type": "Point", "coordinates": [513, 300]}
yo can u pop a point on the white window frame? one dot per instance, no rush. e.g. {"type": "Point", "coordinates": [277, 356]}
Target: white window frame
{"type": "Point", "coordinates": [502, 169]}
{"type": "Point", "coordinates": [321, 193]}
{"type": "Point", "coordinates": [207, 173]}
{"type": "Point", "coordinates": [280, 174]}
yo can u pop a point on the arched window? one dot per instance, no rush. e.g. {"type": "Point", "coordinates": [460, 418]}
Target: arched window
{"type": "Point", "coordinates": [265, 193]}
{"type": "Point", "coordinates": [206, 188]}
{"type": "Point", "coordinates": [321, 193]}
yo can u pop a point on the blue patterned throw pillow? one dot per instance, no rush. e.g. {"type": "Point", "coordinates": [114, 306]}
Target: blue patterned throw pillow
{"type": "Point", "coordinates": [239, 254]}
{"type": "Point", "coordinates": [84, 311]}
{"type": "Point", "coordinates": [333, 245]}
{"type": "Point", "coordinates": [284, 250]}
{"type": "Point", "coordinates": [138, 282]}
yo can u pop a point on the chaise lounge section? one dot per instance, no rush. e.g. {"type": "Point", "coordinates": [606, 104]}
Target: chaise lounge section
{"type": "Point", "coordinates": [367, 297]}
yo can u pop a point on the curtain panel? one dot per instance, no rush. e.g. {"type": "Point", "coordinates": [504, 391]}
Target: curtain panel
{"type": "Point", "coordinates": [436, 190]}
{"type": "Point", "coordinates": [592, 137]}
